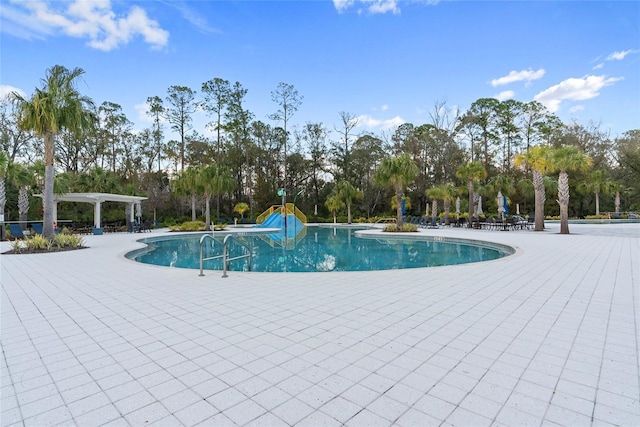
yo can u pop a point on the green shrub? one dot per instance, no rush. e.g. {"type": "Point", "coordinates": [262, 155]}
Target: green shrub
{"type": "Point", "coordinates": [68, 241]}
{"type": "Point", "coordinates": [38, 242]}
{"type": "Point", "coordinates": [17, 246]}
{"type": "Point", "coordinates": [405, 228]}
{"type": "Point", "coordinates": [188, 226]}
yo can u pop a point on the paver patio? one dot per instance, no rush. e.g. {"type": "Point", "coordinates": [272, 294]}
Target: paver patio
{"type": "Point", "coordinates": [548, 336]}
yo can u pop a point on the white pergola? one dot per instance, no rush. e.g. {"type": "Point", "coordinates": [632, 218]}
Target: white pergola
{"type": "Point", "coordinates": [97, 199]}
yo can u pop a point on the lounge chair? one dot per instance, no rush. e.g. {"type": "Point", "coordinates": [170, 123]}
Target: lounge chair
{"type": "Point", "coordinates": [433, 223]}
{"type": "Point", "coordinates": [17, 232]}
{"type": "Point", "coordinates": [37, 228]}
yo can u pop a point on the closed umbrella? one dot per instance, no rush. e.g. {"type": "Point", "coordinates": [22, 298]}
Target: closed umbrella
{"type": "Point", "coordinates": [500, 204]}
{"type": "Point", "coordinates": [457, 205]}
{"type": "Point", "coordinates": [479, 210]}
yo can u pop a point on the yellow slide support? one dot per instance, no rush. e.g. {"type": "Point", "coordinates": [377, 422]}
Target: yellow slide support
{"type": "Point", "coordinates": [291, 209]}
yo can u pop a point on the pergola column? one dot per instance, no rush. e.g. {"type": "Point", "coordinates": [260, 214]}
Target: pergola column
{"type": "Point", "coordinates": [96, 214]}
{"type": "Point", "coordinates": [132, 212]}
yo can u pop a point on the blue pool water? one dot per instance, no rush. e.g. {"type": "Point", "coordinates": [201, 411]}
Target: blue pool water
{"type": "Point", "coordinates": [318, 249]}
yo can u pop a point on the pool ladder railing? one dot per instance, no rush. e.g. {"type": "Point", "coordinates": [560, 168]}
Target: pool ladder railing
{"type": "Point", "coordinates": [388, 220]}
{"type": "Point", "coordinates": [225, 253]}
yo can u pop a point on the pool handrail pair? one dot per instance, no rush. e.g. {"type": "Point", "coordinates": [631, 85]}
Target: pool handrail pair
{"type": "Point", "coordinates": [224, 256]}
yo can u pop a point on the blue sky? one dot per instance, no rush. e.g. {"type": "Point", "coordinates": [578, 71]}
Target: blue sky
{"type": "Point", "coordinates": [385, 61]}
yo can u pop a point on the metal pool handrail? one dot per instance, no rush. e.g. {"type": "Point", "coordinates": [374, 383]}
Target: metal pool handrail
{"type": "Point", "coordinates": [225, 254]}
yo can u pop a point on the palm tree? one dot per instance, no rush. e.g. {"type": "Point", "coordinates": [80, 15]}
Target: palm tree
{"type": "Point", "coordinates": [566, 159]}
{"type": "Point", "coordinates": [347, 193]}
{"type": "Point", "coordinates": [472, 172]}
{"type": "Point", "coordinates": [537, 158]}
{"type": "Point", "coordinates": [55, 107]}
{"type": "Point", "coordinates": [334, 203]}
{"type": "Point", "coordinates": [215, 180]}
{"type": "Point", "coordinates": [597, 183]}
{"type": "Point", "coordinates": [21, 178]}
{"type": "Point", "coordinates": [4, 166]}
{"type": "Point", "coordinates": [397, 172]}
{"type": "Point", "coordinates": [618, 188]}
{"type": "Point", "coordinates": [445, 192]}
{"type": "Point", "coordinates": [241, 208]}
{"type": "Point", "coordinates": [187, 185]}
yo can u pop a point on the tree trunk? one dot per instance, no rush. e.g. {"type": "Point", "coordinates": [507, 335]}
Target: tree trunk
{"type": "Point", "coordinates": [617, 203]}
{"type": "Point", "coordinates": [3, 196]}
{"type": "Point", "coordinates": [434, 210]}
{"type": "Point", "coordinates": [597, 203]}
{"type": "Point", "coordinates": [470, 187]}
{"type": "Point", "coordinates": [23, 206]}
{"type": "Point", "coordinates": [193, 207]}
{"type": "Point", "coordinates": [540, 198]}
{"type": "Point", "coordinates": [348, 213]}
{"type": "Point", "coordinates": [207, 213]}
{"type": "Point", "coordinates": [399, 195]}
{"type": "Point", "coordinates": [447, 206]}
{"type": "Point", "coordinates": [47, 196]}
{"type": "Point", "coordinates": [563, 201]}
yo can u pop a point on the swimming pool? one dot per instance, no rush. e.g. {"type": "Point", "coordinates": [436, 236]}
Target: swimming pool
{"type": "Point", "coordinates": [320, 249]}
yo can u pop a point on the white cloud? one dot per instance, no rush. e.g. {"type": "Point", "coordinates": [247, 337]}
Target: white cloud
{"type": "Point", "coordinates": [369, 122]}
{"type": "Point", "coordinates": [190, 14]}
{"type": "Point", "coordinates": [576, 108]}
{"type": "Point", "coordinates": [5, 90]}
{"type": "Point", "coordinates": [141, 110]}
{"type": "Point", "coordinates": [342, 5]}
{"type": "Point", "coordinates": [598, 66]}
{"type": "Point", "coordinates": [383, 6]}
{"type": "Point", "coordinates": [618, 56]}
{"type": "Point", "coordinates": [576, 89]}
{"type": "Point", "coordinates": [371, 6]}
{"type": "Point", "coordinates": [507, 94]}
{"type": "Point", "coordinates": [93, 20]}
{"type": "Point", "coordinates": [518, 76]}
{"type": "Point", "coordinates": [385, 107]}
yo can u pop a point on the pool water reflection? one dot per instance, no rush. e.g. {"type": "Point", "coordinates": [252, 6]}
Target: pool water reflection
{"type": "Point", "coordinates": [321, 249]}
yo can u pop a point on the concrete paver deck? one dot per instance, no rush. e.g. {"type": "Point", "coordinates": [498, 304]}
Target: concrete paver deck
{"type": "Point", "coordinates": [548, 336]}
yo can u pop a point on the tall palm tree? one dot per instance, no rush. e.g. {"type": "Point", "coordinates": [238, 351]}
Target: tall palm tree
{"type": "Point", "coordinates": [537, 158]}
{"type": "Point", "coordinates": [619, 188]}
{"type": "Point", "coordinates": [445, 192]}
{"type": "Point", "coordinates": [565, 159]}
{"type": "Point", "coordinates": [214, 180]}
{"type": "Point", "coordinates": [597, 183]}
{"type": "Point", "coordinates": [348, 193]}
{"type": "Point", "coordinates": [186, 184]}
{"type": "Point", "coordinates": [472, 172]}
{"type": "Point", "coordinates": [221, 181]}
{"type": "Point", "coordinates": [55, 107]}
{"type": "Point", "coordinates": [397, 172]}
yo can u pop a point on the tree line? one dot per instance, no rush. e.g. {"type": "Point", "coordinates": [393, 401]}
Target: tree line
{"type": "Point", "coordinates": [241, 159]}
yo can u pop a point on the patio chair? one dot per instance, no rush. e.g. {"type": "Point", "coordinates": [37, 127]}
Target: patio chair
{"type": "Point", "coordinates": [433, 223]}
{"type": "Point", "coordinates": [17, 232]}
{"type": "Point", "coordinates": [37, 228]}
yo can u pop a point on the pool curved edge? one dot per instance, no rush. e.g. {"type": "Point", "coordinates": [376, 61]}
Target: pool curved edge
{"type": "Point", "coordinates": [507, 251]}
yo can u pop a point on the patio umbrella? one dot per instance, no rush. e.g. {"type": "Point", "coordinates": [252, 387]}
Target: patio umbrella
{"type": "Point", "coordinates": [500, 204]}
{"type": "Point", "coordinates": [517, 208]}
{"type": "Point", "coordinates": [479, 210]}
{"type": "Point", "coordinates": [504, 205]}
{"type": "Point", "coordinates": [457, 205]}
